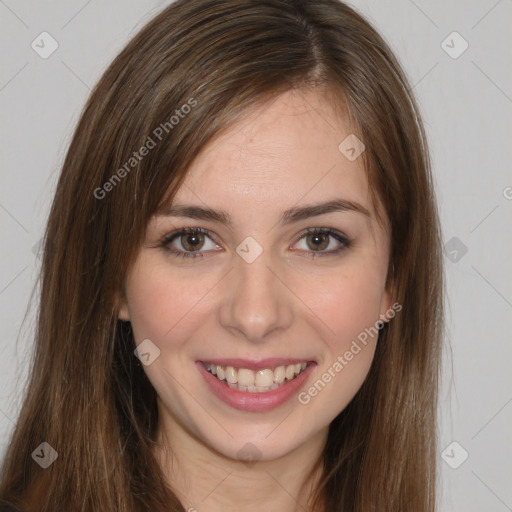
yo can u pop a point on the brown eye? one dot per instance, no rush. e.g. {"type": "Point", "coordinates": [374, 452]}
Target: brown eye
{"type": "Point", "coordinates": [317, 241]}
{"type": "Point", "coordinates": [189, 242]}
{"type": "Point", "coordinates": [323, 242]}
{"type": "Point", "coordinates": [192, 241]}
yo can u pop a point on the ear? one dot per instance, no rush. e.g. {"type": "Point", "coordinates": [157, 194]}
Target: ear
{"type": "Point", "coordinates": [388, 296]}
{"type": "Point", "coordinates": [386, 301]}
{"type": "Point", "coordinates": [123, 313]}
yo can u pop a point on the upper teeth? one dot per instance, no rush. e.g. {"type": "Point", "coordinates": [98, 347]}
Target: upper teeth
{"type": "Point", "coordinates": [260, 378]}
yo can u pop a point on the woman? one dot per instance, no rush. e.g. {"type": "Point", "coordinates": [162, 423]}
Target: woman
{"type": "Point", "coordinates": [241, 288]}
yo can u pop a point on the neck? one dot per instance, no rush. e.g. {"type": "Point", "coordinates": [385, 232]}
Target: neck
{"type": "Point", "coordinates": [204, 479]}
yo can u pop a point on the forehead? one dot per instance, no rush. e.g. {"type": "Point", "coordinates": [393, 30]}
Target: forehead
{"type": "Point", "coordinates": [281, 153]}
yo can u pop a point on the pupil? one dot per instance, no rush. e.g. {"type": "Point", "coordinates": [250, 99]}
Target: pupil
{"type": "Point", "coordinates": [319, 241]}
{"type": "Point", "coordinates": [193, 241]}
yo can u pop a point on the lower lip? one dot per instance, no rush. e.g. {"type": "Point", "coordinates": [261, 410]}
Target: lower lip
{"type": "Point", "coordinates": [255, 402]}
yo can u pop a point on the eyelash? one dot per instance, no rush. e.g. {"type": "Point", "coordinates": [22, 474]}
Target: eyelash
{"type": "Point", "coordinates": [167, 239]}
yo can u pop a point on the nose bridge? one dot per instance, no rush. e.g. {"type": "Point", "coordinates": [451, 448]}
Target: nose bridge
{"type": "Point", "coordinates": [254, 301]}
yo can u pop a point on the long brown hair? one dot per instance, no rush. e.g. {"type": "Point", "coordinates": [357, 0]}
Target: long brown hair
{"type": "Point", "coordinates": [88, 396]}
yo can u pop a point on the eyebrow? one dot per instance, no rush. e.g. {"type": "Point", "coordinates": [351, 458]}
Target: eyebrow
{"type": "Point", "coordinates": [289, 216]}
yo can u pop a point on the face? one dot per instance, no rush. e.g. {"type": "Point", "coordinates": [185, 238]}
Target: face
{"type": "Point", "coordinates": [266, 292]}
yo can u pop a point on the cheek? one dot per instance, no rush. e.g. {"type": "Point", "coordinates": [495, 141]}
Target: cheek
{"type": "Point", "coordinates": [347, 303]}
{"type": "Point", "coordinates": [160, 303]}
{"type": "Point", "coordinates": [353, 306]}
{"type": "Point", "coordinates": [348, 307]}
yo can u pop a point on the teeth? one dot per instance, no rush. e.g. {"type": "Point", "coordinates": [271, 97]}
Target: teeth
{"type": "Point", "coordinates": [245, 377]}
{"type": "Point", "coordinates": [279, 374]}
{"type": "Point", "coordinates": [230, 375]}
{"type": "Point", "coordinates": [260, 381]}
{"type": "Point", "coordinates": [264, 378]}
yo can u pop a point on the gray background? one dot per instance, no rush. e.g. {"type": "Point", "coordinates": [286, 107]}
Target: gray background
{"type": "Point", "coordinates": [466, 103]}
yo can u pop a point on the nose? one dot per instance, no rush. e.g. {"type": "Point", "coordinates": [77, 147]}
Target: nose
{"type": "Point", "coordinates": [254, 301]}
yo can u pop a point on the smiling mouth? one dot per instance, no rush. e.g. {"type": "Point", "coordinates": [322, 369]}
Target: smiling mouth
{"type": "Point", "coordinates": [259, 381]}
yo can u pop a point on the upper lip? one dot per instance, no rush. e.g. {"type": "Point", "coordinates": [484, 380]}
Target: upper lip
{"type": "Point", "coordinates": [272, 362]}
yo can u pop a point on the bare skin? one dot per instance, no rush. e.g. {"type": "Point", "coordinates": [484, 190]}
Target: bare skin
{"type": "Point", "coordinates": [284, 304]}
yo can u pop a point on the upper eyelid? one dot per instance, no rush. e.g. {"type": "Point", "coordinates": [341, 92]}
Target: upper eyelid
{"type": "Point", "coordinates": [173, 235]}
